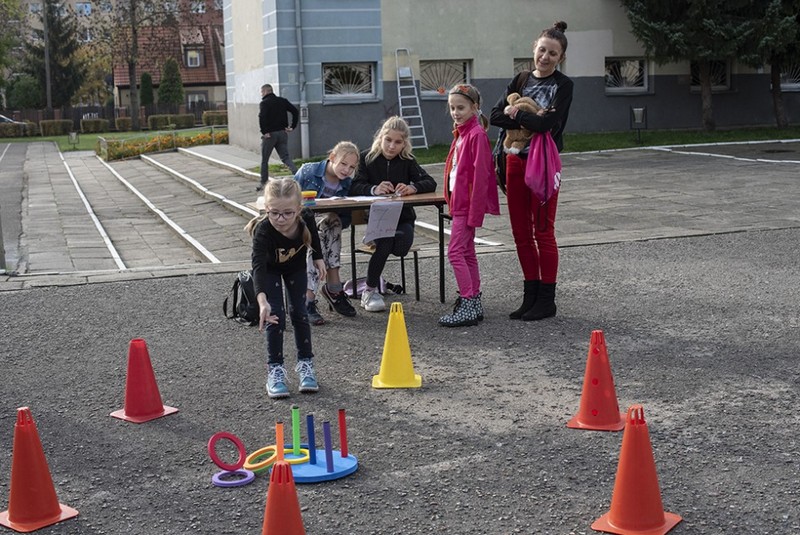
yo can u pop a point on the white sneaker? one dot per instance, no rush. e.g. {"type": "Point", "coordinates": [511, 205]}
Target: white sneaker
{"type": "Point", "coordinates": [372, 301]}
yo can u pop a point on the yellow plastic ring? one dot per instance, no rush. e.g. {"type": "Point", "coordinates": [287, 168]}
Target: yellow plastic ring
{"type": "Point", "coordinates": [304, 458]}
{"type": "Point", "coordinates": [258, 467]}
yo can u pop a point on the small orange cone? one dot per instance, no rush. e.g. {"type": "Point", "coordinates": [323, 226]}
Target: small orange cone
{"type": "Point", "coordinates": [636, 507]}
{"type": "Point", "coordinates": [397, 369]}
{"type": "Point", "coordinates": [282, 513]}
{"type": "Point", "coordinates": [599, 409]}
{"type": "Point", "coordinates": [142, 398]}
{"type": "Point", "coordinates": [32, 501]}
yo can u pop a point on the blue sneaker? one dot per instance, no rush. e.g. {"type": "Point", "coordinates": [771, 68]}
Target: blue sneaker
{"type": "Point", "coordinates": [276, 382]}
{"type": "Point", "coordinates": [308, 382]}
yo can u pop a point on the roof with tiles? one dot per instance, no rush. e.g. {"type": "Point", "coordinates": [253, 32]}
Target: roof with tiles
{"type": "Point", "coordinates": [157, 45]}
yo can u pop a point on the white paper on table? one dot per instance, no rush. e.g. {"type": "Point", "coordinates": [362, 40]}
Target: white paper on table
{"type": "Point", "coordinates": [383, 218]}
{"type": "Point", "coordinates": [361, 198]}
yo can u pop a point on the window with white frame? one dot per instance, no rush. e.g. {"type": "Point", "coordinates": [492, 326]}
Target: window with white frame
{"type": "Point", "coordinates": [171, 6]}
{"type": "Point", "coordinates": [194, 58]}
{"type": "Point", "coordinates": [106, 6]}
{"type": "Point", "coordinates": [198, 6]}
{"type": "Point", "coordinates": [626, 75]}
{"type": "Point", "coordinates": [790, 77]}
{"type": "Point", "coordinates": [218, 4]}
{"type": "Point", "coordinates": [196, 99]}
{"type": "Point", "coordinates": [348, 80]}
{"type": "Point", "coordinates": [720, 75]}
{"type": "Point", "coordinates": [436, 77]}
{"type": "Point", "coordinates": [34, 8]}
{"type": "Point", "coordinates": [83, 8]}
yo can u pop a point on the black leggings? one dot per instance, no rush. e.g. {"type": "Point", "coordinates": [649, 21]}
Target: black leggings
{"type": "Point", "coordinates": [399, 245]}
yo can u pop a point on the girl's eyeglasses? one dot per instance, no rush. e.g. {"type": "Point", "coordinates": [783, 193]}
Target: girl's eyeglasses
{"type": "Point", "coordinates": [273, 214]}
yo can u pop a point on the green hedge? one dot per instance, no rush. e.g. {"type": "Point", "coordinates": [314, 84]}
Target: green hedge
{"type": "Point", "coordinates": [59, 127]}
{"type": "Point", "coordinates": [124, 124]}
{"type": "Point", "coordinates": [118, 149]}
{"type": "Point", "coordinates": [215, 118]}
{"type": "Point", "coordinates": [162, 122]}
{"type": "Point", "coordinates": [91, 126]}
{"type": "Point", "coordinates": [25, 129]}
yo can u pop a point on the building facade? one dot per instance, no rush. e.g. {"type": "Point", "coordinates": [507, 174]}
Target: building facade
{"type": "Point", "coordinates": [196, 43]}
{"type": "Point", "coordinates": [337, 60]}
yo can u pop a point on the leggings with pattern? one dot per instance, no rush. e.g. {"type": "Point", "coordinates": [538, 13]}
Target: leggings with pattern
{"type": "Point", "coordinates": [329, 227]}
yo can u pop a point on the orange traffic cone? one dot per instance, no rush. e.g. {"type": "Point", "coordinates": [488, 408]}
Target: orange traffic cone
{"type": "Point", "coordinates": [636, 507]}
{"type": "Point", "coordinates": [397, 369]}
{"type": "Point", "coordinates": [142, 398]}
{"type": "Point", "coordinates": [599, 409]}
{"type": "Point", "coordinates": [32, 501]}
{"type": "Point", "coordinates": [282, 513]}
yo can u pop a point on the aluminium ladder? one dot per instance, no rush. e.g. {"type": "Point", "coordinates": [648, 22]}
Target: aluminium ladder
{"type": "Point", "coordinates": [408, 99]}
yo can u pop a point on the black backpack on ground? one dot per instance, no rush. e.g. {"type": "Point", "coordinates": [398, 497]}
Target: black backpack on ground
{"type": "Point", "coordinates": [244, 307]}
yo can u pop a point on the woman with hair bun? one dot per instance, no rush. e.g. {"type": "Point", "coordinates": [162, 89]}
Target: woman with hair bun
{"type": "Point", "coordinates": [533, 223]}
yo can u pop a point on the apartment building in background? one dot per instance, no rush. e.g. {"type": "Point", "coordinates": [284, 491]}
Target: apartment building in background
{"type": "Point", "coordinates": [337, 60]}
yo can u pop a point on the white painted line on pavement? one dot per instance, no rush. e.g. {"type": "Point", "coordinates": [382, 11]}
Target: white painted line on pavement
{"type": "Point", "coordinates": [97, 223]}
{"type": "Point", "coordinates": [8, 146]}
{"type": "Point", "coordinates": [479, 241]}
{"type": "Point", "coordinates": [185, 235]}
{"type": "Point", "coordinates": [222, 163]}
{"type": "Point", "coordinates": [728, 156]}
{"type": "Point", "coordinates": [199, 187]}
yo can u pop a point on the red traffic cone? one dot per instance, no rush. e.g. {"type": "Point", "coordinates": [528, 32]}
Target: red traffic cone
{"type": "Point", "coordinates": [599, 409]}
{"type": "Point", "coordinates": [32, 501]}
{"type": "Point", "coordinates": [142, 398]}
{"type": "Point", "coordinates": [282, 513]}
{"type": "Point", "coordinates": [636, 507]}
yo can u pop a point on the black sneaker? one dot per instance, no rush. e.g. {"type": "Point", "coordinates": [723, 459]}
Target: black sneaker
{"type": "Point", "coordinates": [314, 317]}
{"type": "Point", "coordinates": [339, 302]}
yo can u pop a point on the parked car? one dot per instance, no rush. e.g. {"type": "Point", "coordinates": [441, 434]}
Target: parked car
{"type": "Point", "coordinates": [4, 119]}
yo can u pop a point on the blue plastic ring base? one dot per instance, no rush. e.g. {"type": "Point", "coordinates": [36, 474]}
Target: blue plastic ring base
{"type": "Point", "coordinates": [318, 472]}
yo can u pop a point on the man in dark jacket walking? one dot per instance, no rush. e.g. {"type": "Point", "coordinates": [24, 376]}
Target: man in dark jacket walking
{"type": "Point", "coordinates": [274, 124]}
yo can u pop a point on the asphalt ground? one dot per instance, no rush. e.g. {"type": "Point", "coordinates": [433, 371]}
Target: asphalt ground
{"type": "Point", "coordinates": [686, 262]}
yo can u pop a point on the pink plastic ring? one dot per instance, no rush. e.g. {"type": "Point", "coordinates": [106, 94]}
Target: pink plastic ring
{"type": "Point", "coordinates": [217, 479]}
{"type": "Point", "coordinates": [212, 452]}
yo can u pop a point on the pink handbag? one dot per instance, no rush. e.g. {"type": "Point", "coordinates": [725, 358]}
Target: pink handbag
{"type": "Point", "coordinates": [543, 167]}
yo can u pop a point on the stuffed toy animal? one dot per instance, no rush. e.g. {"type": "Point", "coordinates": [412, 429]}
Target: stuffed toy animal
{"type": "Point", "coordinates": [516, 140]}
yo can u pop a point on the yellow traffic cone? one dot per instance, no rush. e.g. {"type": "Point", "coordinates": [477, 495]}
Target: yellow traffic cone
{"type": "Point", "coordinates": [397, 370]}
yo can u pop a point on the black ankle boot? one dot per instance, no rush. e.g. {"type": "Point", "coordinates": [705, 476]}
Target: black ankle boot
{"type": "Point", "coordinates": [528, 299]}
{"type": "Point", "coordinates": [545, 306]}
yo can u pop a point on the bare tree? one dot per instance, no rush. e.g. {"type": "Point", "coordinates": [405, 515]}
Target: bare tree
{"type": "Point", "coordinates": [132, 24]}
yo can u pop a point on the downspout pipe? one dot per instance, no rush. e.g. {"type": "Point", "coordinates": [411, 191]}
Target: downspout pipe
{"type": "Point", "coordinates": [301, 79]}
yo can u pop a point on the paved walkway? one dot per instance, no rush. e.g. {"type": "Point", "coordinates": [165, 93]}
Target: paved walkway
{"type": "Point", "coordinates": [606, 197]}
{"type": "Point", "coordinates": [702, 332]}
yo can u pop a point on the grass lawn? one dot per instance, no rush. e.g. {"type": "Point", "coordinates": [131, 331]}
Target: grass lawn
{"type": "Point", "coordinates": [89, 141]}
{"type": "Point", "coordinates": [438, 153]}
